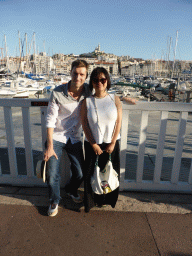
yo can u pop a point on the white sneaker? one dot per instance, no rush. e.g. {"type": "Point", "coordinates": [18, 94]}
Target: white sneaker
{"type": "Point", "coordinates": [53, 210]}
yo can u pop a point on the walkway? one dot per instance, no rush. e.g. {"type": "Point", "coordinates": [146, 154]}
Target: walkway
{"type": "Point", "coordinates": [141, 224]}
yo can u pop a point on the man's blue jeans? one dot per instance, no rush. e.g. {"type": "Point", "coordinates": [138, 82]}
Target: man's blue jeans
{"type": "Point", "coordinates": [75, 154]}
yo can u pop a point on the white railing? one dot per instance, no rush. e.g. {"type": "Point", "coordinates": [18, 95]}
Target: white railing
{"type": "Point", "coordinates": [157, 178]}
{"type": "Point", "coordinates": [25, 104]}
{"type": "Point", "coordinates": [142, 163]}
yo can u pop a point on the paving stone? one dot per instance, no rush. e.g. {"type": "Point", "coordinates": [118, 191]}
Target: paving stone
{"type": "Point", "coordinates": [172, 233]}
{"type": "Point", "coordinates": [27, 231]}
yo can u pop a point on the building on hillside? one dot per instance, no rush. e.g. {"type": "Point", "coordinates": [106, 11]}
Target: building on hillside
{"type": "Point", "coordinates": [124, 58]}
{"type": "Point", "coordinates": [161, 68]}
{"type": "Point", "coordinates": [98, 49]}
{"type": "Point", "coordinates": [145, 68]}
{"type": "Point", "coordinates": [41, 63]}
{"type": "Point", "coordinates": [62, 67]}
{"type": "Point", "coordinates": [111, 67]}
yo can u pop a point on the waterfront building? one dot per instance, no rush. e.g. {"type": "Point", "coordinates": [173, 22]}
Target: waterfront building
{"type": "Point", "coordinates": [41, 63]}
{"type": "Point", "coordinates": [157, 68]}
{"type": "Point", "coordinates": [125, 65]}
{"type": "Point", "coordinates": [111, 67]}
{"type": "Point", "coordinates": [62, 66]}
{"type": "Point", "coordinates": [124, 58]}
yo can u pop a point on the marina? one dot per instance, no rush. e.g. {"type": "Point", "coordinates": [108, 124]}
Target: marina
{"type": "Point", "coordinates": [159, 90]}
{"type": "Point", "coordinates": [145, 46]}
{"type": "Point", "coordinates": [35, 73]}
{"type": "Point", "coordinates": [155, 134]}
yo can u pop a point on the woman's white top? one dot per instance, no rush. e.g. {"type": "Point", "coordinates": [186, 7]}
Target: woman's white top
{"type": "Point", "coordinates": [102, 116]}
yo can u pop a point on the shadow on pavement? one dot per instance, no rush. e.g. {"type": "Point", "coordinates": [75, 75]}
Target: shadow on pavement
{"type": "Point", "coordinates": [37, 197]}
{"type": "Point", "coordinates": [178, 254]}
{"type": "Point", "coordinates": [66, 202]}
{"type": "Point", "coordinates": [182, 200]}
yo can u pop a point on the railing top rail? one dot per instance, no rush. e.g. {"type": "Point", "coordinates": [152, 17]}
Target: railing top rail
{"type": "Point", "coordinates": [147, 106]}
{"type": "Point", "coordinates": [23, 102]}
{"type": "Point", "coordinates": [159, 106]}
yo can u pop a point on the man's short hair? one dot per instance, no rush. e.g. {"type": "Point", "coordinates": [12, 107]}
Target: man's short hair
{"type": "Point", "coordinates": [80, 64]}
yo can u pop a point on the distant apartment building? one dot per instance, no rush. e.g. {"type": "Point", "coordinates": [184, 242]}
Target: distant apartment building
{"type": "Point", "coordinates": [111, 67]}
{"type": "Point", "coordinates": [124, 58]}
{"type": "Point", "coordinates": [126, 63]}
{"type": "Point", "coordinates": [14, 64]}
{"type": "Point", "coordinates": [161, 68]}
{"type": "Point", "coordinates": [97, 58]}
{"type": "Point", "coordinates": [41, 63]}
{"type": "Point", "coordinates": [144, 68]}
{"type": "Point", "coordinates": [186, 67]}
{"type": "Point", "coordinates": [65, 66]}
{"type": "Point", "coordinates": [136, 67]}
{"type": "Point", "coordinates": [62, 67]}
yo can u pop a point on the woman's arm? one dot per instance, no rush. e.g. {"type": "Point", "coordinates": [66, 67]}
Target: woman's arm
{"type": "Point", "coordinates": [117, 128]}
{"type": "Point", "coordinates": [87, 130]}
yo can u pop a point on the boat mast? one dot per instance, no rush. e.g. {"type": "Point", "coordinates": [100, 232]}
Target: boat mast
{"type": "Point", "coordinates": [2, 61]}
{"type": "Point", "coordinates": [34, 54]}
{"type": "Point", "coordinates": [175, 53]}
{"type": "Point", "coordinates": [169, 54]}
{"type": "Point", "coordinates": [19, 45]}
{"type": "Point", "coordinates": [26, 51]}
{"type": "Point", "coordinates": [6, 57]}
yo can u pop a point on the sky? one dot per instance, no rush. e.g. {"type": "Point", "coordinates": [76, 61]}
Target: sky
{"type": "Point", "coordinates": [141, 28]}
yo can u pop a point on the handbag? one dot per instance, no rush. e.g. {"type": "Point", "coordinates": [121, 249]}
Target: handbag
{"type": "Point", "coordinates": [41, 171]}
{"type": "Point", "coordinates": [106, 180]}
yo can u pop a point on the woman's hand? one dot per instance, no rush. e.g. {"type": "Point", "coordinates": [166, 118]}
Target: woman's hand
{"type": "Point", "coordinates": [129, 100]}
{"type": "Point", "coordinates": [109, 149]}
{"type": "Point", "coordinates": [48, 153]}
{"type": "Point", "coordinates": [97, 149]}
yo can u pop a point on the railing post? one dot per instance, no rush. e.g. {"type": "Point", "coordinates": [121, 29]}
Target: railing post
{"type": "Point", "coordinates": [123, 146]}
{"type": "Point", "coordinates": [190, 174]}
{"type": "Point", "coordinates": [10, 141]}
{"type": "Point", "coordinates": [141, 151]}
{"type": "Point", "coordinates": [43, 126]}
{"type": "Point", "coordinates": [179, 147]}
{"type": "Point", "coordinates": [160, 146]}
{"type": "Point", "coordinates": [28, 142]}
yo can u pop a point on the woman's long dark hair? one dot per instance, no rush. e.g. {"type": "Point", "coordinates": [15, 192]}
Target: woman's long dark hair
{"type": "Point", "coordinates": [95, 73]}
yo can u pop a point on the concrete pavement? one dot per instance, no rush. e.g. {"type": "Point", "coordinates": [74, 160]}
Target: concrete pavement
{"type": "Point", "coordinates": [141, 224]}
{"type": "Point", "coordinates": [127, 202]}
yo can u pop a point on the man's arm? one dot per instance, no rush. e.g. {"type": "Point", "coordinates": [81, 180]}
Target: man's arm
{"type": "Point", "coordinates": [49, 150]}
{"type": "Point", "coordinates": [52, 114]}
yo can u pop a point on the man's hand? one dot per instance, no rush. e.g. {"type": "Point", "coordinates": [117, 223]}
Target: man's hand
{"type": "Point", "coordinates": [48, 153]}
{"type": "Point", "coordinates": [97, 149]}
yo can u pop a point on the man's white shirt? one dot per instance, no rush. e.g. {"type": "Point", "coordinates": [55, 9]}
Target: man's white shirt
{"type": "Point", "coordinates": [63, 114]}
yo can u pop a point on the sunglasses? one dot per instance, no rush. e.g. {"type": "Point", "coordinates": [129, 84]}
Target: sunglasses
{"type": "Point", "coordinates": [97, 80]}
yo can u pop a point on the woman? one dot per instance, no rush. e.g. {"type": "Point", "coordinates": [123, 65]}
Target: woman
{"type": "Point", "coordinates": [101, 116]}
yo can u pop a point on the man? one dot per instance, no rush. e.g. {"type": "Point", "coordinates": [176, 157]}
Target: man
{"type": "Point", "coordinates": [64, 132]}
